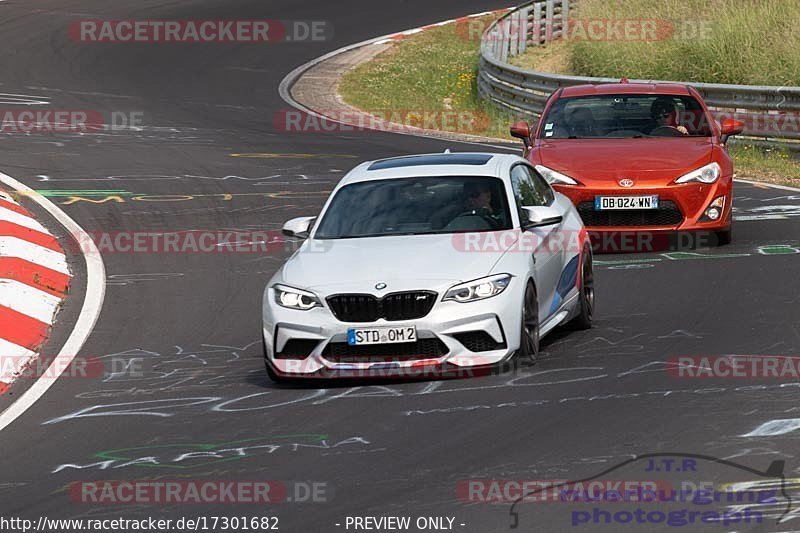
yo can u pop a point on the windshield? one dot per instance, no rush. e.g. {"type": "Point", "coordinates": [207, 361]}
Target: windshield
{"type": "Point", "coordinates": [416, 206]}
{"type": "Point", "coordinates": [628, 115]}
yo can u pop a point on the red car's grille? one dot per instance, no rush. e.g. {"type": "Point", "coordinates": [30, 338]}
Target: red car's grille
{"type": "Point", "coordinates": [667, 214]}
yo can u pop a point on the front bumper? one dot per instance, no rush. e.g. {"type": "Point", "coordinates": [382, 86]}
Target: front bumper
{"type": "Point", "coordinates": [681, 225]}
{"type": "Point", "coordinates": [446, 324]}
{"type": "Point", "coordinates": [690, 199]}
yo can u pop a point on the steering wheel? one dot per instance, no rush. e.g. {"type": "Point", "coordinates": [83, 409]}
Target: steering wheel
{"type": "Point", "coordinates": [664, 128]}
{"type": "Point", "coordinates": [493, 224]}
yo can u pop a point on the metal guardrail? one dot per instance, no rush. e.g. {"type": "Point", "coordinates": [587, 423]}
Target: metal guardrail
{"type": "Point", "coordinates": [771, 113]}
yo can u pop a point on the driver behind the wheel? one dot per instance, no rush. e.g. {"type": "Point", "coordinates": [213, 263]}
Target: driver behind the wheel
{"type": "Point", "coordinates": [474, 212]}
{"type": "Point", "coordinates": [665, 115]}
{"type": "Point", "coordinates": [478, 198]}
{"type": "Point", "coordinates": [582, 123]}
{"type": "Point", "coordinates": [478, 201]}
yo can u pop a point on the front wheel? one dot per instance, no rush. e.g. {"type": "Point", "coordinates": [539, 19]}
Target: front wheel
{"type": "Point", "coordinates": [724, 237]}
{"type": "Point", "coordinates": [586, 313]}
{"type": "Point", "coordinates": [529, 338]}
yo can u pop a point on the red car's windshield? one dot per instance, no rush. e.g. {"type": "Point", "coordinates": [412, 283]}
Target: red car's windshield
{"type": "Point", "coordinates": [625, 115]}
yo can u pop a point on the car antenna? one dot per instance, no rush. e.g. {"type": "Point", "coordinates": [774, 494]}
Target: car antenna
{"type": "Point", "coordinates": [446, 150]}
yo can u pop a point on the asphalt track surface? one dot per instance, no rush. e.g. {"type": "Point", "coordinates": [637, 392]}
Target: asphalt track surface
{"type": "Point", "coordinates": [192, 321]}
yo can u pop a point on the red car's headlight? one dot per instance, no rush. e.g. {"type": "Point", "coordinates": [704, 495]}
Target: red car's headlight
{"type": "Point", "coordinates": [707, 174]}
{"type": "Point", "coordinates": [552, 176]}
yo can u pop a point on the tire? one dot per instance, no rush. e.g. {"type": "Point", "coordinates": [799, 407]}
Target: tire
{"type": "Point", "coordinates": [586, 313]}
{"type": "Point", "coordinates": [724, 237]}
{"type": "Point", "coordinates": [529, 335]}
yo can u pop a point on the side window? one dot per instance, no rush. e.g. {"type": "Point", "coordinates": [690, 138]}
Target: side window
{"type": "Point", "coordinates": [530, 189]}
{"type": "Point", "coordinates": [542, 188]}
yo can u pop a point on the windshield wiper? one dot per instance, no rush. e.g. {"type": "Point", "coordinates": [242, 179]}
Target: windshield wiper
{"type": "Point", "coordinates": [360, 236]}
{"type": "Point", "coordinates": [399, 233]}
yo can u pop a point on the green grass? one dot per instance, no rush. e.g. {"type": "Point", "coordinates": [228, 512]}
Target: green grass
{"type": "Point", "coordinates": [765, 164]}
{"type": "Point", "coordinates": [433, 71]}
{"type": "Point", "coordinates": [752, 42]}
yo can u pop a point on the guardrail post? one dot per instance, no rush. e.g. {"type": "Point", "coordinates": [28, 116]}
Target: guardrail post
{"type": "Point", "coordinates": [536, 34]}
{"type": "Point", "coordinates": [513, 28]}
{"type": "Point", "coordinates": [522, 30]}
{"type": "Point", "coordinates": [503, 39]}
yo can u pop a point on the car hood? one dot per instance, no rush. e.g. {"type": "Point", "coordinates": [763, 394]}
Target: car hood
{"type": "Point", "coordinates": [401, 262]}
{"type": "Point", "coordinates": [607, 159]}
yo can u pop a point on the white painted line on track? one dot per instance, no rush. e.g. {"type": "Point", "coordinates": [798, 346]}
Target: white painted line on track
{"type": "Point", "coordinates": [21, 220]}
{"type": "Point", "coordinates": [775, 427]}
{"type": "Point", "coordinates": [28, 300]}
{"type": "Point", "coordinates": [14, 359]}
{"type": "Point", "coordinates": [89, 313]}
{"type": "Point", "coordinates": [770, 185]}
{"type": "Point", "coordinates": [9, 349]}
{"type": "Point", "coordinates": [29, 251]}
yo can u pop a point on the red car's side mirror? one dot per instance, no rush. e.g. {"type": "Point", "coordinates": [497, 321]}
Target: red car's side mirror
{"type": "Point", "coordinates": [521, 130]}
{"type": "Point", "coordinates": [731, 127]}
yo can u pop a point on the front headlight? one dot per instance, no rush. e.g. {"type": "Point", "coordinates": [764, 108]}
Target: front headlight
{"type": "Point", "coordinates": [551, 176]}
{"type": "Point", "coordinates": [707, 174]}
{"type": "Point", "coordinates": [295, 298]}
{"type": "Point", "coordinates": [478, 289]}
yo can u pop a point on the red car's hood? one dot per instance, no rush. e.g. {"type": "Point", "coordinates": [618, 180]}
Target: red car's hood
{"type": "Point", "coordinates": [605, 159]}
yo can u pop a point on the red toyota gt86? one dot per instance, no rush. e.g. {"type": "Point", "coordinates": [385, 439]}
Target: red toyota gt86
{"type": "Point", "coordinates": [636, 157]}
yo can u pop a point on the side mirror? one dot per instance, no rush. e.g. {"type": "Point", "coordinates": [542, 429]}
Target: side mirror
{"type": "Point", "coordinates": [540, 216]}
{"type": "Point", "coordinates": [298, 227]}
{"type": "Point", "coordinates": [729, 128]}
{"type": "Point", "coordinates": [521, 130]}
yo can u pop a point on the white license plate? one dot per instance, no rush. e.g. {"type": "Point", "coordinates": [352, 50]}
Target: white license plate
{"type": "Point", "coordinates": [606, 203]}
{"type": "Point", "coordinates": [381, 335]}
